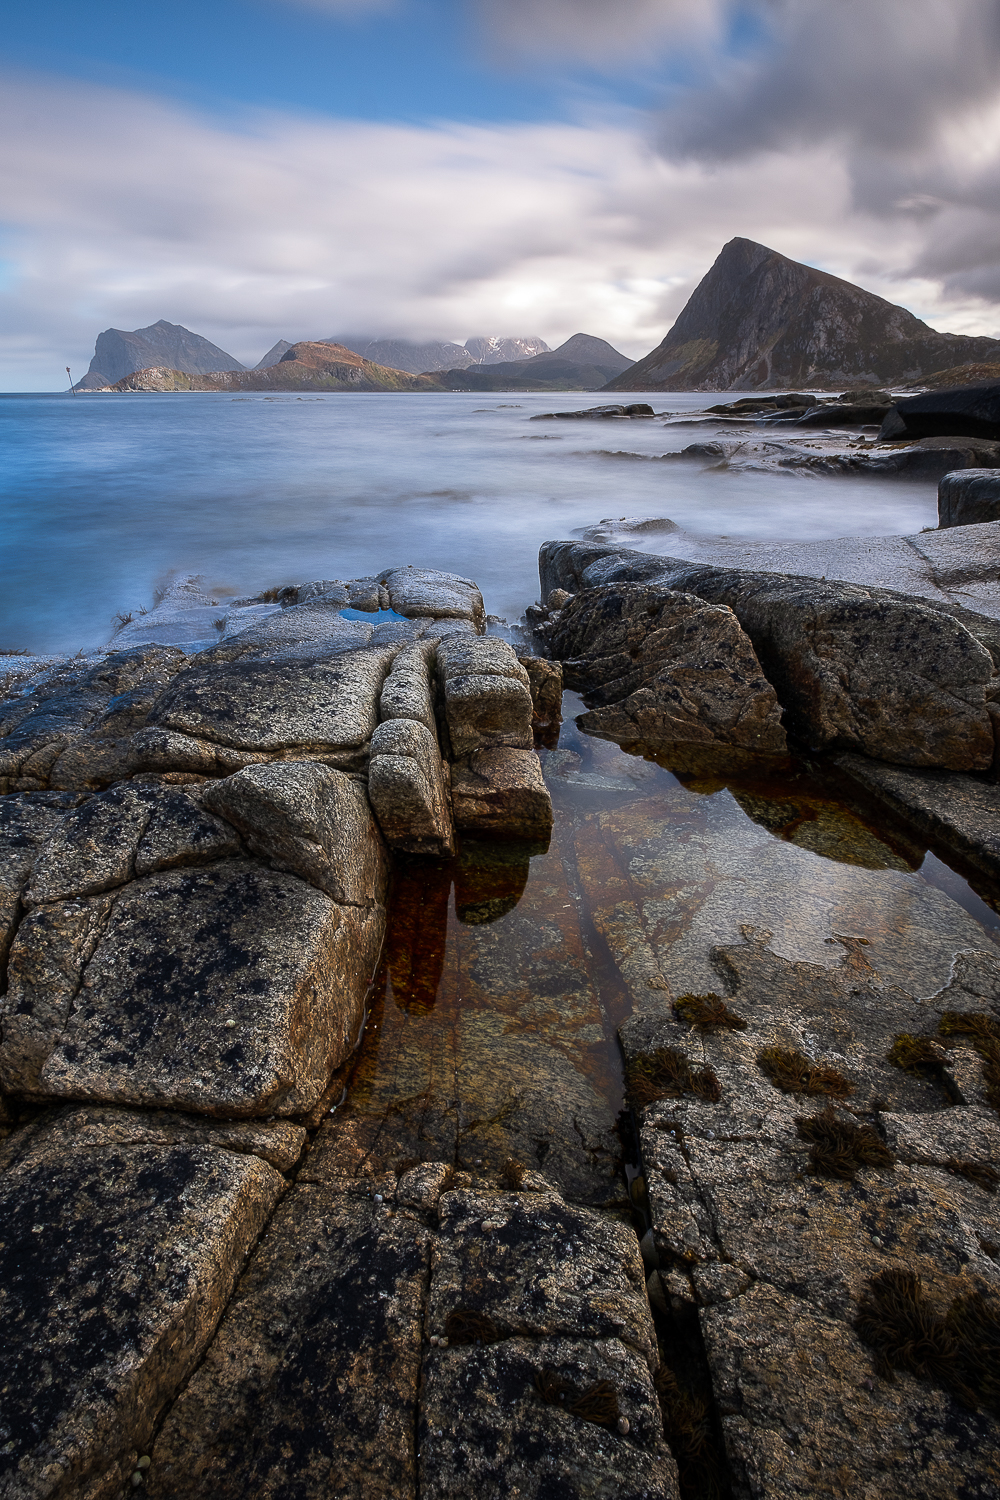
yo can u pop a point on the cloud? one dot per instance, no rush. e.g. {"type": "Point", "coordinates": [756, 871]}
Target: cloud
{"type": "Point", "coordinates": [121, 209]}
{"type": "Point", "coordinates": [594, 31]}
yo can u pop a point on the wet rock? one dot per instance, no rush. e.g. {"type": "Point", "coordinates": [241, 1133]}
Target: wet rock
{"type": "Point", "coordinates": [424, 593]}
{"type": "Point", "coordinates": [487, 695]}
{"type": "Point", "coordinates": [311, 820]}
{"type": "Point", "coordinates": [501, 793]}
{"type": "Point", "coordinates": [545, 681]}
{"type": "Point", "coordinates": [485, 1428]}
{"type": "Point", "coordinates": [959, 810]}
{"type": "Point", "coordinates": [266, 709]}
{"type": "Point", "coordinates": [969, 496]}
{"type": "Point", "coordinates": [310, 1386]}
{"type": "Point", "coordinates": [38, 728]}
{"type": "Point", "coordinates": [972, 410]}
{"type": "Point", "coordinates": [635, 409]}
{"type": "Point", "coordinates": [227, 990]}
{"type": "Point", "coordinates": [665, 668]}
{"type": "Point", "coordinates": [299, 633]}
{"type": "Point", "coordinates": [26, 825]}
{"type": "Point", "coordinates": [406, 692]}
{"type": "Point", "coordinates": [115, 1266]}
{"type": "Point", "coordinates": [422, 1186]}
{"type": "Point", "coordinates": [406, 784]}
{"type": "Point", "coordinates": [125, 832]}
{"type": "Point", "coordinates": [855, 668]}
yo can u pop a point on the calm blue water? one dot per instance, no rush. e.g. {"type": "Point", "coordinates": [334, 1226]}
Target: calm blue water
{"type": "Point", "coordinates": [105, 496]}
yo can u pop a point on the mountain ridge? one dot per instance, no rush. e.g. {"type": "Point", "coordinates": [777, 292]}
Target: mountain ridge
{"type": "Point", "coordinates": [119, 353]}
{"type": "Point", "coordinates": [760, 321]}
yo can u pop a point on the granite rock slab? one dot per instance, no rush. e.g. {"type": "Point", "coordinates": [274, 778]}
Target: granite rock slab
{"type": "Point", "coordinates": [487, 695]}
{"type": "Point", "coordinates": [967, 497]}
{"type": "Point", "coordinates": [116, 1266]}
{"type": "Point", "coordinates": [425, 593]}
{"type": "Point", "coordinates": [311, 820]}
{"type": "Point", "coordinates": [406, 692]}
{"type": "Point", "coordinates": [501, 793]}
{"type": "Point", "coordinates": [408, 789]}
{"type": "Point", "coordinates": [227, 990]}
{"type": "Point", "coordinates": [27, 822]}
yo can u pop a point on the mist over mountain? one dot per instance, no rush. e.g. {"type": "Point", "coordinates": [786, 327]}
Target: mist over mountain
{"type": "Point", "coordinates": [119, 353]}
{"type": "Point", "coordinates": [582, 363]}
{"type": "Point", "coordinates": [758, 320]}
{"type": "Point", "coordinates": [418, 357]}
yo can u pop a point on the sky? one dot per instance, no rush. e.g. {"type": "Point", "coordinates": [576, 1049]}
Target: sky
{"type": "Point", "coordinates": [266, 169]}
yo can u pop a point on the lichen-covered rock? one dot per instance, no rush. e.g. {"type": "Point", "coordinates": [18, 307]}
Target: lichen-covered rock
{"type": "Point", "coordinates": [854, 668]}
{"type": "Point", "coordinates": [407, 788]}
{"type": "Point", "coordinates": [501, 793]}
{"type": "Point", "coordinates": [487, 695]}
{"type": "Point", "coordinates": [27, 822]}
{"type": "Point", "coordinates": [664, 668]}
{"type": "Point", "coordinates": [545, 680]}
{"type": "Point", "coordinates": [311, 820]}
{"type": "Point", "coordinates": [310, 1387]}
{"type": "Point", "coordinates": [128, 831]}
{"type": "Point", "coordinates": [406, 692]}
{"type": "Point", "coordinates": [424, 593]}
{"type": "Point", "coordinates": [37, 729]}
{"type": "Point", "coordinates": [226, 990]}
{"type": "Point", "coordinates": [116, 1262]}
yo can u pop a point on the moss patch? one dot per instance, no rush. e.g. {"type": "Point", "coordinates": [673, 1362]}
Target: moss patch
{"type": "Point", "coordinates": [794, 1073]}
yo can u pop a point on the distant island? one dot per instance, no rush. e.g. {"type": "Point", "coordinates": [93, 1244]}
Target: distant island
{"type": "Point", "coordinates": [756, 321]}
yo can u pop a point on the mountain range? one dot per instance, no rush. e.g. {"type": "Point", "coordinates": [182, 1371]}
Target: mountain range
{"type": "Point", "coordinates": [118, 354]}
{"type": "Point", "coordinates": [759, 321]}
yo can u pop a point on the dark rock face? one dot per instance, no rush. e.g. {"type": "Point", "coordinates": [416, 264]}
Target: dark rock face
{"type": "Point", "coordinates": [582, 363]}
{"type": "Point", "coordinates": [967, 497]}
{"type": "Point", "coordinates": [967, 411]}
{"type": "Point", "coordinates": [760, 320]}
{"type": "Point", "coordinates": [118, 353]}
{"type": "Point", "coordinates": [663, 668]}
{"type": "Point", "coordinates": [857, 668]}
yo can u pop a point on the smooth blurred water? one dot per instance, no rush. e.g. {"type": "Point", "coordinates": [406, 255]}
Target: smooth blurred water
{"type": "Point", "coordinates": [105, 496]}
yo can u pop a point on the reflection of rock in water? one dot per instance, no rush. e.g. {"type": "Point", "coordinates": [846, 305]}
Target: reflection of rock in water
{"type": "Point", "coordinates": [416, 937]}
{"type": "Point", "coordinates": [489, 880]}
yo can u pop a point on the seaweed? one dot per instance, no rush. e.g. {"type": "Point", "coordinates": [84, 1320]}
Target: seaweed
{"type": "Point", "coordinates": [794, 1073]}
{"type": "Point", "coordinates": [687, 1426]}
{"type": "Point", "coordinates": [979, 1172]}
{"type": "Point", "coordinates": [990, 1054]}
{"type": "Point", "coordinates": [917, 1055]}
{"type": "Point", "coordinates": [839, 1148]}
{"type": "Point", "coordinates": [598, 1403]}
{"type": "Point", "coordinates": [667, 1074]}
{"type": "Point", "coordinates": [512, 1174]}
{"type": "Point", "coordinates": [969, 1023]}
{"type": "Point", "coordinates": [708, 1013]}
{"type": "Point", "coordinates": [466, 1326]}
{"type": "Point", "coordinates": [959, 1350]}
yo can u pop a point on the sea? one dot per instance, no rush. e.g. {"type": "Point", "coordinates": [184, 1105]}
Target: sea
{"type": "Point", "coordinates": [106, 497]}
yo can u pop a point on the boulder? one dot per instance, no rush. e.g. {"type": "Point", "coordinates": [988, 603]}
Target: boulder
{"type": "Point", "coordinates": [406, 692]}
{"type": "Point", "coordinates": [968, 410]}
{"type": "Point", "coordinates": [487, 695]}
{"type": "Point", "coordinates": [116, 1262]}
{"type": "Point", "coordinates": [545, 681]}
{"type": "Point", "coordinates": [311, 820]}
{"type": "Point", "coordinates": [664, 668]}
{"type": "Point", "coordinates": [406, 785]}
{"type": "Point", "coordinates": [968, 496]}
{"type": "Point", "coordinates": [501, 793]}
{"type": "Point", "coordinates": [867, 669]}
{"type": "Point", "coordinates": [225, 990]}
{"type": "Point", "coordinates": [634, 409]}
{"type": "Point", "coordinates": [424, 593]}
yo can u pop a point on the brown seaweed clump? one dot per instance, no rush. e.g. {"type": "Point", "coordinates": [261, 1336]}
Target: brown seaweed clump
{"type": "Point", "coordinates": [959, 1349]}
{"type": "Point", "coordinates": [794, 1073]}
{"type": "Point", "coordinates": [838, 1148]}
{"type": "Point", "coordinates": [985, 1034]}
{"type": "Point", "coordinates": [708, 1013]}
{"type": "Point", "coordinates": [667, 1074]}
{"type": "Point", "coordinates": [979, 1172]}
{"type": "Point", "coordinates": [466, 1326]}
{"type": "Point", "coordinates": [597, 1403]}
{"type": "Point", "coordinates": [687, 1426]}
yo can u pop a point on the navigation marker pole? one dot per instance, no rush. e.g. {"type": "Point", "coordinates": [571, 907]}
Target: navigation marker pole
{"type": "Point", "coordinates": [71, 385]}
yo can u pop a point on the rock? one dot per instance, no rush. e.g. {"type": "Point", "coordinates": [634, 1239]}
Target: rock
{"type": "Point", "coordinates": [969, 496]}
{"type": "Point", "coordinates": [406, 784]}
{"type": "Point", "coordinates": [424, 593]}
{"type": "Point", "coordinates": [487, 696]}
{"type": "Point", "coordinates": [27, 823]}
{"type": "Point", "coordinates": [185, 615]}
{"type": "Point", "coordinates": [128, 998]}
{"type": "Point", "coordinates": [846, 414]}
{"type": "Point", "coordinates": [36, 729]}
{"type": "Point", "coordinates": [293, 709]}
{"type": "Point", "coordinates": [301, 632]}
{"type": "Point", "coordinates": [312, 1381]}
{"type": "Point", "coordinates": [311, 820]}
{"type": "Point", "coordinates": [545, 680]}
{"type": "Point", "coordinates": [501, 793]}
{"type": "Point", "coordinates": [125, 832]}
{"type": "Point", "coordinates": [962, 812]}
{"type": "Point", "coordinates": [663, 668]}
{"type": "Point", "coordinates": [240, 617]}
{"type": "Point", "coordinates": [968, 410]}
{"type": "Point", "coordinates": [20, 672]}
{"type": "Point", "coordinates": [853, 668]}
{"type": "Point", "coordinates": [636, 409]}
{"type": "Point", "coordinates": [406, 692]}
{"type": "Point", "coordinates": [422, 1186]}
{"type": "Point", "coordinates": [115, 1266]}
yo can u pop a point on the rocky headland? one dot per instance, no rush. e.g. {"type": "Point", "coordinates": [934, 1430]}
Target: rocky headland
{"type": "Point", "coordinates": [407, 1093]}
